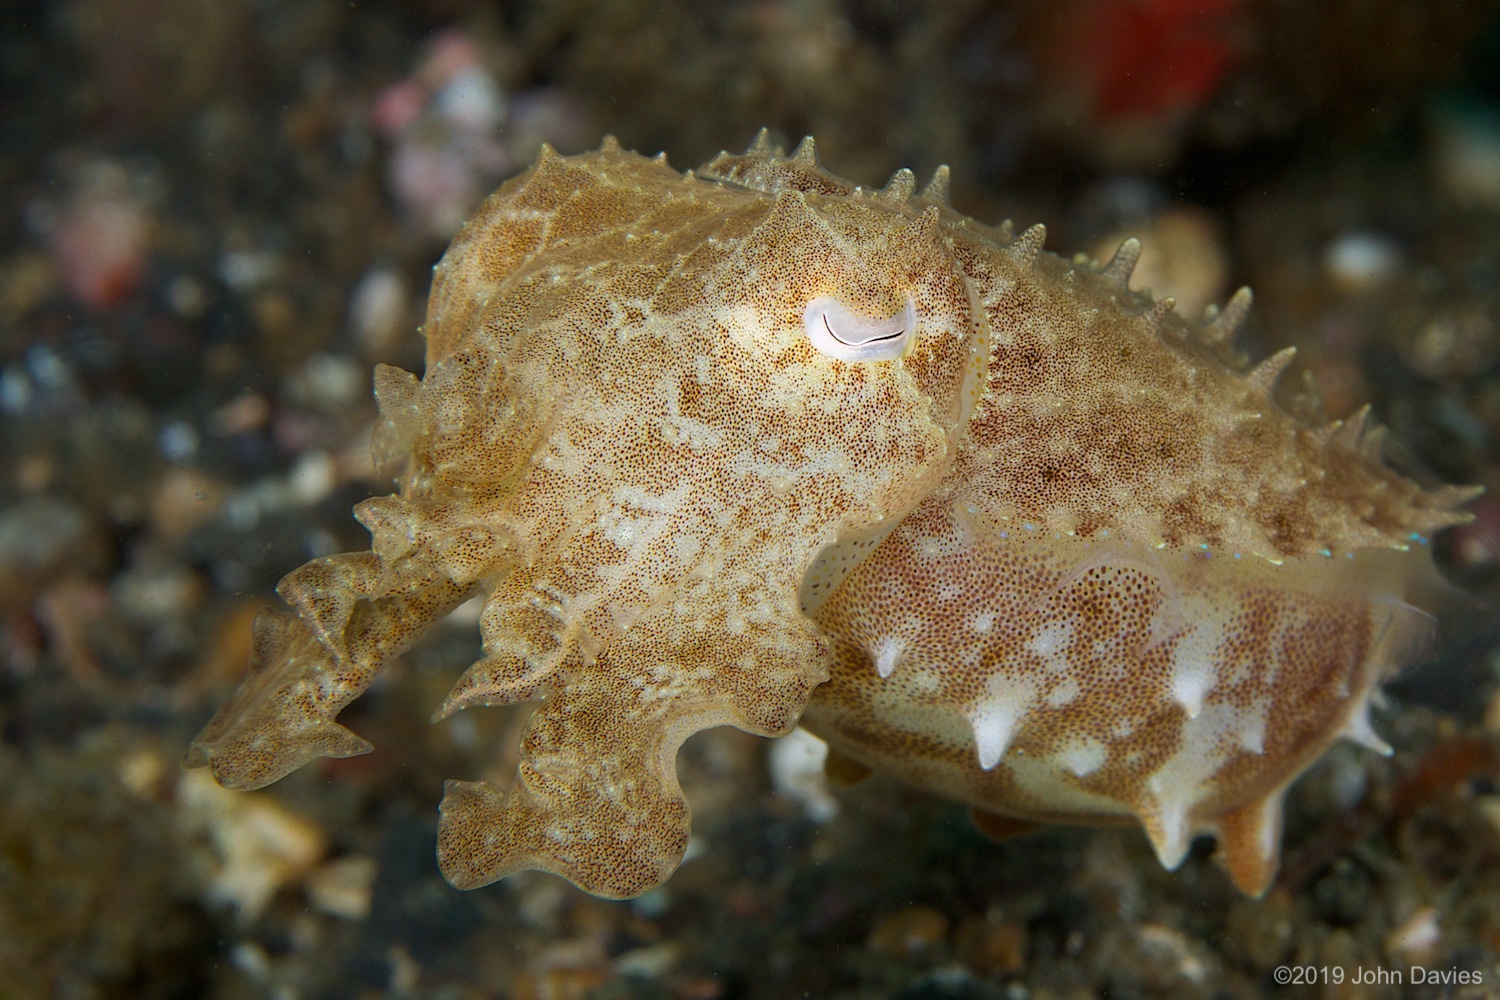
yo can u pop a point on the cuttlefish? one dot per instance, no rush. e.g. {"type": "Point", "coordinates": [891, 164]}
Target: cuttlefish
{"type": "Point", "coordinates": [753, 446]}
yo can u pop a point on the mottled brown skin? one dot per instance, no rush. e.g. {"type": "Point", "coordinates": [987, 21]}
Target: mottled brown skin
{"type": "Point", "coordinates": [683, 512]}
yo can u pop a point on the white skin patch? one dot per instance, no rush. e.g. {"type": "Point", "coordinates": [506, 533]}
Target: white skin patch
{"type": "Point", "coordinates": [1190, 683]}
{"type": "Point", "coordinates": [1185, 780]}
{"type": "Point", "coordinates": [887, 654]}
{"type": "Point", "coordinates": [1252, 732]}
{"type": "Point", "coordinates": [1064, 693]}
{"type": "Point", "coordinates": [1084, 757]}
{"type": "Point", "coordinates": [996, 717]}
{"type": "Point", "coordinates": [1049, 641]}
{"type": "Point", "coordinates": [1195, 667]}
{"type": "Point", "coordinates": [1359, 730]}
{"type": "Point", "coordinates": [844, 334]}
{"type": "Point", "coordinates": [1169, 833]}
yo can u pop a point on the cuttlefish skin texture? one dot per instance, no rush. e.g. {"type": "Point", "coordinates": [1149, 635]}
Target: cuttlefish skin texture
{"type": "Point", "coordinates": [627, 441]}
{"type": "Point", "coordinates": [754, 446]}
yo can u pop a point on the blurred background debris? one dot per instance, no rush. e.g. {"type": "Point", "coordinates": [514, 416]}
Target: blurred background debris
{"type": "Point", "coordinates": [219, 214]}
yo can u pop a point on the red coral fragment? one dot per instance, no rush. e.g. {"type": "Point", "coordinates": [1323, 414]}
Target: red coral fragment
{"type": "Point", "coordinates": [1154, 58]}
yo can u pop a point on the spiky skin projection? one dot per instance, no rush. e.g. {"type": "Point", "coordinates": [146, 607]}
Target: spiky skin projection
{"type": "Point", "coordinates": [706, 441]}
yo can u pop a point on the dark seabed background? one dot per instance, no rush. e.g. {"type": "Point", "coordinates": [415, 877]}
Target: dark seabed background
{"type": "Point", "coordinates": [217, 215]}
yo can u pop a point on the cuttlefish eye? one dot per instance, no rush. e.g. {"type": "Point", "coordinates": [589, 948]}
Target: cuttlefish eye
{"type": "Point", "coordinates": [841, 333]}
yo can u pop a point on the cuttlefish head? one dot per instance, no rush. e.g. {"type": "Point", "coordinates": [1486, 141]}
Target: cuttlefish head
{"type": "Point", "coordinates": [861, 292]}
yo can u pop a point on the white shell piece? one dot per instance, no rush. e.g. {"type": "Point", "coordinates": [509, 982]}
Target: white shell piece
{"type": "Point", "coordinates": [796, 764]}
{"type": "Point", "coordinates": [841, 333]}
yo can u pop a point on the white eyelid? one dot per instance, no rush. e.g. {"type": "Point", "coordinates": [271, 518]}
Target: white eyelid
{"type": "Point", "coordinates": [841, 333]}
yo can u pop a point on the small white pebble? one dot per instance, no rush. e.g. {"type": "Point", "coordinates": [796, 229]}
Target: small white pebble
{"type": "Point", "coordinates": [1347, 778]}
{"type": "Point", "coordinates": [241, 510]}
{"type": "Point", "coordinates": [141, 770]}
{"type": "Point", "coordinates": [1361, 261]}
{"type": "Point", "coordinates": [15, 390]}
{"type": "Point", "coordinates": [342, 887]}
{"type": "Point", "coordinates": [331, 382]}
{"type": "Point", "coordinates": [178, 442]}
{"type": "Point", "coordinates": [650, 962]}
{"type": "Point", "coordinates": [1416, 938]}
{"type": "Point", "coordinates": [49, 368]}
{"type": "Point", "coordinates": [257, 845]}
{"type": "Point", "coordinates": [796, 763]}
{"type": "Point", "coordinates": [187, 296]}
{"type": "Point", "coordinates": [377, 309]}
{"type": "Point", "coordinates": [245, 270]}
{"type": "Point", "coordinates": [313, 477]}
{"type": "Point", "coordinates": [472, 101]}
{"type": "Point", "coordinates": [155, 595]}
